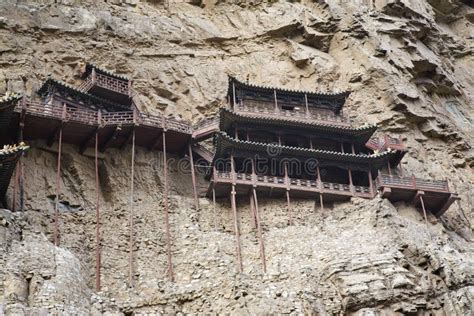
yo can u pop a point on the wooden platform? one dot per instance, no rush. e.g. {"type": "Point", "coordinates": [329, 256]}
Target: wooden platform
{"type": "Point", "coordinates": [277, 186]}
{"type": "Point", "coordinates": [43, 121]}
{"type": "Point", "coordinates": [436, 194]}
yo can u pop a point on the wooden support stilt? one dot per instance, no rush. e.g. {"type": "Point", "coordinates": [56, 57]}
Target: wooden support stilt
{"type": "Point", "coordinates": [423, 207]}
{"type": "Point", "coordinates": [58, 191]}
{"type": "Point", "coordinates": [236, 229]}
{"type": "Point", "coordinates": [288, 206]}
{"type": "Point", "coordinates": [131, 213]}
{"type": "Point", "coordinates": [306, 105]}
{"type": "Point", "coordinates": [165, 203]}
{"type": "Point", "coordinates": [389, 168]}
{"type": "Point", "coordinates": [234, 210]}
{"type": "Point", "coordinates": [276, 100]}
{"type": "Point", "coordinates": [252, 210]}
{"type": "Point", "coordinates": [58, 181]}
{"type": "Point", "coordinates": [20, 162]}
{"type": "Point", "coordinates": [351, 184]}
{"type": "Point", "coordinates": [193, 176]}
{"type": "Point", "coordinates": [233, 95]}
{"type": "Point", "coordinates": [320, 185]}
{"type": "Point", "coordinates": [259, 231]}
{"type": "Point", "coordinates": [214, 206]}
{"type": "Point", "coordinates": [97, 217]}
{"type": "Point", "coordinates": [371, 185]}
{"type": "Point", "coordinates": [15, 188]}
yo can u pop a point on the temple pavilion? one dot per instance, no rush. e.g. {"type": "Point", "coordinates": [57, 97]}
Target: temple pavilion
{"type": "Point", "coordinates": [299, 144]}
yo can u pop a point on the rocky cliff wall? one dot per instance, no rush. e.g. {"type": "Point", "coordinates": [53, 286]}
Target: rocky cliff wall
{"type": "Point", "coordinates": [408, 64]}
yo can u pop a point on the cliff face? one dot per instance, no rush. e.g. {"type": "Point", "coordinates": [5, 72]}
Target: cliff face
{"type": "Point", "coordinates": [409, 66]}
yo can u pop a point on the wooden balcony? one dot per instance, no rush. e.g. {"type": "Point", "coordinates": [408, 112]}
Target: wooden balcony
{"type": "Point", "coordinates": [43, 120]}
{"type": "Point", "coordinates": [108, 87]}
{"type": "Point", "coordinates": [299, 187]}
{"type": "Point", "coordinates": [436, 194]}
{"type": "Point", "coordinates": [313, 117]}
{"type": "Point", "coordinates": [205, 129]}
{"type": "Point", "coordinates": [382, 144]}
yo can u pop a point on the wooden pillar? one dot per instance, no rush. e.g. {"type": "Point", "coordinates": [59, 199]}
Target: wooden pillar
{"type": "Point", "coordinates": [353, 149]}
{"type": "Point", "coordinates": [424, 210]}
{"type": "Point", "coordinates": [233, 95]}
{"type": "Point", "coordinates": [276, 100]}
{"type": "Point", "coordinates": [193, 176]}
{"type": "Point", "coordinates": [342, 147]}
{"type": "Point", "coordinates": [288, 204]}
{"type": "Point", "coordinates": [236, 229]}
{"type": "Point", "coordinates": [58, 180]}
{"type": "Point", "coordinates": [236, 133]}
{"type": "Point", "coordinates": [97, 214]}
{"type": "Point", "coordinates": [252, 210]}
{"type": "Point", "coordinates": [254, 184]}
{"type": "Point", "coordinates": [371, 185]}
{"type": "Point", "coordinates": [15, 187]}
{"type": "Point", "coordinates": [259, 231]}
{"type": "Point", "coordinates": [306, 105]}
{"type": "Point", "coordinates": [165, 204]}
{"type": "Point", "coordinates": [320, 185]}
{"type": "Point", "coordinates": [311, 143]}
{"type": "Point", "coordinates": [351, 184]}
{"type": "Point", "coordinates": [214, 205]}
{"type": "Point", "coordinates": [131, 214]}
{"type": "Point", "coordinates": [20, 162]}
{"type": "Point", "coordinates": [235, 213]}
{"type": "Point", "coordinates": [389, 168]}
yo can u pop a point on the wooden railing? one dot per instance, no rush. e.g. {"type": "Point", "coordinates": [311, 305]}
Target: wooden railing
{"type": "Point", "coordinates": [206, 127]}
{"type": "Point", "coordinates": [107, 82]}
{"type": "Point", "coordinates": [88, 117]}
{"type": "Point", "coordinates": [301, 115]}
{"type": "Point", "coordinates": [294, 184]}
{"type": "Point", "coordinates": [413, 183]}
{"type": "Point", "coordinates": [381, 144]}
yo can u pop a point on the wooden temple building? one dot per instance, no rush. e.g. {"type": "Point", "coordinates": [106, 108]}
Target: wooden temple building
{"type": "Point", "coordinates": [267, 142]}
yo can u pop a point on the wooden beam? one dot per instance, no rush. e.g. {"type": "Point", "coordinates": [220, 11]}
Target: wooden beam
{"type": "Point", "coordinates": [423, 207]}
{"type": "Point", "coordinates": [127, 138]}
{"type": "Point", "coordinates": [259, 231]}
{"type": "Point", "coordinates": [165, 203]}
{"type": "Point", "coordinates": [252, 209]}
{"type": "Point", "coordinates": [156, 141]}
{"type": "Point", "coordinates": [58, 191]}
{"type": "Point", "coordinates": [85, 143]}
{"type": "Point", "coordinates": [109, 139]}
{"type": "Point", "coordinates": [236, 229]}
{"type": "Point", "coordinates": [193, 176]}
{"type": "Point", "coordinates": [214, 205]}
{"type": "Point", "coordinates": [131, 214]}
{"type": "Point", "coordinates": [97, 217]}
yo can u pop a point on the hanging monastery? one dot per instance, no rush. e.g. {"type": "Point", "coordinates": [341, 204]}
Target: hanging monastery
{"type": "Point", "coordinates": [267, 142]}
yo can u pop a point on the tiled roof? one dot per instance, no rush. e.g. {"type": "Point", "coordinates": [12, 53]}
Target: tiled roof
{"type": "Point", "coordinates": [88, 98]}
{"type": "Point", "coordinates": [360, 134]}
{"type": "Point", "coordinates": [8, 100]}
{"type": "Point", "coordinates": [90, 66]}
{"type": "Point", "coordinates": [224, 143]}
{"type": "Point", "coordinates": [9, 150]}
{"type": "Point", "coordinates": [343, 94]}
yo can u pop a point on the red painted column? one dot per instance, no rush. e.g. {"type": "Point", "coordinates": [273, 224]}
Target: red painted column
{"type": "Point", "coordinates": [193, 177]}
{"type": "Point", "coordinates": [259, 231]}
{"type": "Point", "coordinates": [165, 204]}
{"type": "Point", "coordinates": [235, 213]}
{"type": "Point", "coordinates": [131, 214]}
{"type": "Point", "coordinates": [97, 213]}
